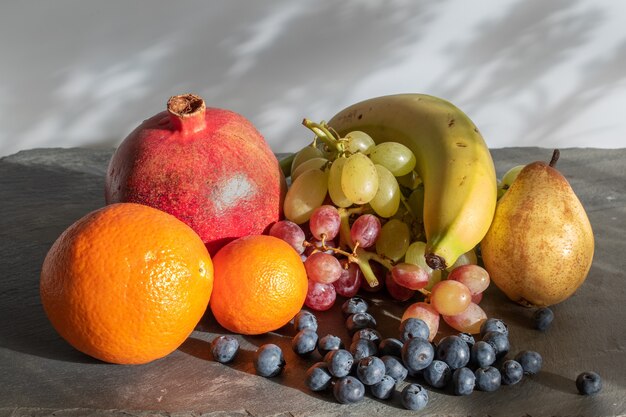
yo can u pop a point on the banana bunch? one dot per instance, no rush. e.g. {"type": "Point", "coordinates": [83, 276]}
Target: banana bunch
{"type": "Point", "coordinates": [451, 158]}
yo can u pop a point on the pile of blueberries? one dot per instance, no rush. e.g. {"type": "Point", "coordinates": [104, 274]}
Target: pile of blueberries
{"type": "Point", "coordinates": [458, 363]}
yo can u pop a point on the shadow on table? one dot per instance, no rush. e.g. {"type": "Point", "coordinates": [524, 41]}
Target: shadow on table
{"type": "Point", "coordinates": [39, 202]}
{"type": "Point", "coordinates": [294, 374]}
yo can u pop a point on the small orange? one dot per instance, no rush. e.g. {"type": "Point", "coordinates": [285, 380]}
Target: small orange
{"type": "Point", "coordinates": [260, 284]}
{"type": "Point", "coordinates": [126, 283]}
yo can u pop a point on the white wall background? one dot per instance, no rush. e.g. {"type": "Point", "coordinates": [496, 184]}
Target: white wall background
{"type": "Point", "coordinates": [548, 73]}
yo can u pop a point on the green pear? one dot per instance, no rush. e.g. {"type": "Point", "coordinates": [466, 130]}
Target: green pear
{"type": "Point", "coordinates": [540, 245]}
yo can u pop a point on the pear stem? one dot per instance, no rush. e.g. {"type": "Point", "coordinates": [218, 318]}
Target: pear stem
{"type": "Point", "coordinates": [555, 157]}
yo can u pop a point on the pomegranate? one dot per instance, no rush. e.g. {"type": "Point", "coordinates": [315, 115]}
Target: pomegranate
{"type": "Point", "coordinates": [209, 167]}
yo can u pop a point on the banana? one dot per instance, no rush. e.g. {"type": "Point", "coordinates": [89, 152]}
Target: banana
{"type": "Point", "coordinates": [452, 160]}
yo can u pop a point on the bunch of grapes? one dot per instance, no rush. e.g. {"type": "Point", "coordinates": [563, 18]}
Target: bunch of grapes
{"type": "Point", "coordinates": [354, 213]}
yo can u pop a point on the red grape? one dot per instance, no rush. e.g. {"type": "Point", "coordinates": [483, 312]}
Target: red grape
{"type": "Point", "coordinates": [349, 282]}
{"type": "Point", "coordinates": [477, 298]}
{"type": "Point", "coordinates": [450, 297]}
{"type": "Point", "coordinates": [323, 268]}
{"type": "Point", "coordinates": [320, 296]}
{"type": "Point", "coordinates": [290, 233]}
{"type": "Point", "coordinates": [397, 291]}
{"type": "Point", "coordinates": [468, 321]}
{"type": "Point", "coordinates": [410, 276]}
{"type": "Point", "coordinates": [325, 220]}
{"type": "Point", "coordinates": [365, 230]}
{"type": "Point", "coordinates": [472, 276]}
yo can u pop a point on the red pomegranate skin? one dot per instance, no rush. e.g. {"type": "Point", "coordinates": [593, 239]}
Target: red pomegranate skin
{"type": "Point", "coordinates": [222, 180]}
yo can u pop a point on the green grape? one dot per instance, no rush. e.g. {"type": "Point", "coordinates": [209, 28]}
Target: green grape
{"type": "Point", "coordinates": [358, 141]}
{"type": "Point", "coordinates": [359, 179]}
{"type": "Point", "coordinates": [416, 203]}
{"type": "Point", "coordinates": [510, 176]}
{"type": "Point", "coordinates": [415, 255]}
{"type": "Point", "coordinates": [304, 154]}
{"type": "Point", "coordinates": [467, 258]}
{"type": "Point", "coordinates": [394, 240]}
{"type": "Point", "coordinates": [334, 184]}
{"type": "Point", "coordinates": [394, 156]}
{"type": "Point", "coordinates": [411, 180]}
{"type": "Point", "coordinates": [306, 194]}
{"type": "Point", "coordinates": [387, 199]}
{"type": "Point", "coordinates": [313, 163]}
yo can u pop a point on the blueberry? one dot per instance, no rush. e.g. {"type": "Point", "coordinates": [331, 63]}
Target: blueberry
{"type": "Point", "coordinates": [390, 346]}
{"type": "Point", "coordinates": [394, 367]}
{"type": "Point", "coordinates": [328, 343]}
{"type": "Point", "coordinates": [304, 342]}
{"type": "Point", "coordinates": [362, 348]}
{"type": "Point", "coordinates": [437, 374]}
{"type": "Point", "coordinates": [269, 360]}
{"type": "Point", "coordinates": [530, 360]}
{"type": "Point", "coordinates": [305, 320]}
{"type": "Point", "coordinates": [487, 379]}
{"type": "Point", "coordinates": [369, 334]}
{"type": "Point", "coordinates": [468, 338]}
{"type": "Point", "coordinates": [354, 305]}
{"type": "Point", "coordinates": [383, 389]}
{"type": "Point", "coordinates": [417, 354]}
{"type": "Point", "coordinates": [542, 318]}
{"type": "Point", "coordinates": [511, 372]}
{"type": "Point", "coordinates": [499, 341]}
{"type": "Point", "coordinates": [339, 362]}
{"type": "Point", "coordinates": [454, 351]}
{"type": "Point", "coordinates": [413, 327]}
{"type": "Point", "coordinates": [463, 381]}
{"type": "Point", "coordinates": [414, 397]}
{"type": "Point", "coordinates": [224, 348]}
{"type": "Point", "coordinates": [348, 390]}
{"type": "Point", "coordinates": [589, 383]}
{"type": "Point", "coordinates": [358, 321]}
{"type": "Point", "coordinates": [370, 370]}
{"type": "Point", "coordinates": [493, 325]}
{"type": "Point", "coordinates": [482, 354]}
{"type": "Point", "coordinates": [318, 378]}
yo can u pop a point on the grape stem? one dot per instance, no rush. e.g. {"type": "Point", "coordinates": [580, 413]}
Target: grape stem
{"type": "Point", "coordinates": [359, 255]}
{"type": "Point", "coordinates": [324, 134]}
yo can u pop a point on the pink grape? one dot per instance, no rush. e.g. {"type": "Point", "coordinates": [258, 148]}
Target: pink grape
{"type": "Point", "coordinates": [365, 230]}
{"type": "Point", "coordinates": [349, 282]}
{"type": "Point", "coordinates": [472, 276]}
{"type": "Point", "coordinates": [325, 220]}
{"type": "Point", "coordinates": [323, 268]}
{"type": "Point", "coordinates": [468, 321]}
{"type": "Point", "coordinates": [450, 297]}
{"type": "Point", "coordinates": [477, 298]}
{"type": "Point", "coordinates": [320, 297]}
{"type": "Point", "coordinates": [410, 276]}
{"type": "Point", "coordinates": [425, 312]}
{"type": "Point", "coordinates": [397, 291]}
{"type": "Point", "coordinates": [290, 233]}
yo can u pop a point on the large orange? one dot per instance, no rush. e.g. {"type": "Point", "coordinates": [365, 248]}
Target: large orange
{"type": "Point", "coordinates": [260, 284]}
{"type": "Point", "coordinates": [126, 283]}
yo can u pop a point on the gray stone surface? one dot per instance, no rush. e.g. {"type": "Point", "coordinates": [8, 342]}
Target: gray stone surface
{"type": "Point", "coordinates": [45, 190]}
